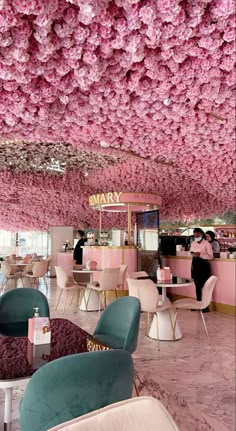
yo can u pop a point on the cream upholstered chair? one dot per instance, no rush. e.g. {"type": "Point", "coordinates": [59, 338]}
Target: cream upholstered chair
{"type": "Point", "coordinates": [193, 304]}
{"type": "Point", "coordinates": [147, 292]}
{"type": "Point", "coordinates": [122, 274]}
{"type": "Point", "coordinates": [138, 274]}
{"type": "Point", "coordinates": [9, 273]}
{"type": "Point", "coordinates": [39, 270]}
{"type": "Point", "coordinates": [109, 280]}
{"type": "Point", "coordinates": [65, 283]}
{"type": "Point", "coordinates": [135, 414]}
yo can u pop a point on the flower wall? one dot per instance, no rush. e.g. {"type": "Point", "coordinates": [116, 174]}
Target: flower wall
{"type": "Point", "coordinates": [153, 77]}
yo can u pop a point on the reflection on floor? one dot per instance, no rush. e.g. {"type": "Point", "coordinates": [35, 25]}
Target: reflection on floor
{"type": "Point", "coordinates": [195, 381]}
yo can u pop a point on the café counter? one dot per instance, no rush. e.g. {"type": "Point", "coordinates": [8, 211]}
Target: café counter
{"type": "Point", "coordinates": [105, 256]}
{"type": "Point", "coordinates": [223, 269]}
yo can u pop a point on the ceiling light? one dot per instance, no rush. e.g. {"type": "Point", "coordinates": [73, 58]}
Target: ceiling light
{"type": "Point", "coordinates": [86, 174]}
{"type": "Point", "coordinates": [167, 101]}
{"type": "Point", "coordinates": [104, 144]}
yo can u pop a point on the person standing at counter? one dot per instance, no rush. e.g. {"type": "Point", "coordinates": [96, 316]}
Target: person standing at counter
{"type": "Point", "coordinates": [78, 251]}
{"type": "Point", "coordinates": [211, 238]}
{"type": "Point", "coordinates": [201, 251]}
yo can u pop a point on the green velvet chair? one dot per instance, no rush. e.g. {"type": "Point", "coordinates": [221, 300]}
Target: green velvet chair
{"type": "Point", "coordinates": [17, 306]}
{"type": "Point", "coordinates": [75, 385]}
{"type": "Point", "coordinates": [118, 326]}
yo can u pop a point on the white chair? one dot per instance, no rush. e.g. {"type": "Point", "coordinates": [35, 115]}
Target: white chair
{"type": "Point", "coordinates": [39, 270]}
{"type": "Point", "coordinates": [9, 274]}
{"type": "Point", "coordinates": [135, 414]}
{"type": "Point", "coordinates": [147, 292]}
{"type": "Point", "coordinates": [65, 283]}
{"type": "Point", "coordinates": [138, 274]}
{"type": "Point", "coordinates": [109, 280]}
{"type": "Point", "coordinates": [122, 274]}
{"type": "Point", "coordinates": [193, 304]}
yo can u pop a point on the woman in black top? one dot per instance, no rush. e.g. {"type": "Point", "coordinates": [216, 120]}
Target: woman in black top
{"type": "Point", "coordinates": [78, 251]}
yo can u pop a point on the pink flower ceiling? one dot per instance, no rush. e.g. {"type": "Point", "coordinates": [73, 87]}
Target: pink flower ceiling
{"type": "Point", "coordinates": [85, 71]}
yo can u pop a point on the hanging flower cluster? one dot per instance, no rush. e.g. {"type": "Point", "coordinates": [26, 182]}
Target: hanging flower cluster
{"type": "Point", "coordinates": [155, 77]}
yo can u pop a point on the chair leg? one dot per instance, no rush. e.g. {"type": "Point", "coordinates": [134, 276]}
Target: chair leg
{"type": "Point", "coordinates": [136, 388]}
{"type": "Point", "coordinates": [75, 290]}
{"type": "Point", "coordinates": [116, 293]}
{"type": "Point", "coordinates": [65, 301]}
{"type": "Point", "coordinates": [174, 325]}
{"type": "Point", "coordinates": [204, 324]}
{"type": "Point", "coordinates": [87, 303]}
{"type": "Point", "coordinates": [45, 283]}
{"type": "Point", "coordinates": [105, 299]}
{"type": "Point", "coordinates": [99, 302]}
{"type": "Point", "coordinates": [58, 300]}
{"type": "Point", "coordinates": [147, 324]}
{"type": "Point", "coordinates": [158, 339]}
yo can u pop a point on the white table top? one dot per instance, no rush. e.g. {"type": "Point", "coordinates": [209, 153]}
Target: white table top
{"type": "Point", "coordinates": [175, 282]}
{"type": "Point", "coordinates": [86, 271]}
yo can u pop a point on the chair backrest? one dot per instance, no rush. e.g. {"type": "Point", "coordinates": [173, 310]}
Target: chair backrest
{"type": "Point", "coordinates": [121, 320]}
{"type": "Point", "coordinates": [81, 278]}
{"type": "Point", "coordinates": [17, 306]}
{"type": "Point", "coordinates": [62, 277]}
{"type": "Point", "coordinates": [207, 290]}
{"type": "Point", "coordinates": [122, 274]}
{"type": "Point", "coordinates": [6, 269]}
{"type": "Point", "coordinates": [146, 291]}
{"type": "Point", "coordinates": [139, 414]}
{"type": "Point", "coordinates": [109, 278]}
{"type": "Point", "coordinates": [75, 385]}
{"type": "Point", "coordinates": [138, 274]}
{"type": "Point", "coordinates": [39, 269]}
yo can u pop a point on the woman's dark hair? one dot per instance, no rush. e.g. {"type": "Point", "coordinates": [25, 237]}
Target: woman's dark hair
{"type": "Point", "coordinates": [211, 234]}
{"type": "Point", "coordinates": [80, 232]}
{"type": "Point", "coordinates": [199, 230]}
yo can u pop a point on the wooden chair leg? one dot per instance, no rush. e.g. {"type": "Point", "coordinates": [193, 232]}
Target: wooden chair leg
{"type": "Point", "coordinates": [105, 299]}
{"type": "Point", "coordinates": [116, 293]}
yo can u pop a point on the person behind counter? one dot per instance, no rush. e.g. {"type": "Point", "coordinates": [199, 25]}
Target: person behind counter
{"type": "Point", "coordinates": [78, 251]}
{"type": "Point", "coordinates": [201, 251]}
{"type": "Point", "coordinates": [210, 236]}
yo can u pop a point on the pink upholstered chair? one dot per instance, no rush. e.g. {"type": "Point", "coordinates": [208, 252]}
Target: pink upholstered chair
{"type": "Point", "coordinates": [109, 280]}
{"type": "Point", "coordinates": [122, 274]}
{"type": "Point", "coordinates": [66, 283]}
{"type": "Point", "coordinates": [39, 270]}
{"type": "Point", "coordinates": [193, 304]}
{"type": "Point", "coordinates": [9, 273]}
{"type": "Point", "coordinates": [146, 291]}
{"type": "Point", "coordinates": [135, 414]}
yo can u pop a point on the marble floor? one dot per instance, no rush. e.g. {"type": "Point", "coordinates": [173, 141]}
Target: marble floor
{"type": "Point", "coordinates": [195, 381]}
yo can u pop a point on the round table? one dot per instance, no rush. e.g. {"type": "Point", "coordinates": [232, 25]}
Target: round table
{"type": "Point", "coordinates": [90, 299]}
{"type": "Point", "coordinates": [164, 324]}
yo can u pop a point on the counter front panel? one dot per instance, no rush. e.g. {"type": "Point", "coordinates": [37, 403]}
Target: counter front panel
{"type": "Point", "coordinates": [223, 269]}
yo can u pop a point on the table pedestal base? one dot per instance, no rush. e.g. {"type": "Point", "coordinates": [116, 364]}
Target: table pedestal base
{"type": "Point", "coordinates": [91, 297]}
{"type": "Point", "coordinates": [164, 326]}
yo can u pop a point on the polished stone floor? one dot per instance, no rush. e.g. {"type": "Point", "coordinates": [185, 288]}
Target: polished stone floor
{"type": "Point", "coordinates": [195, 381]}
